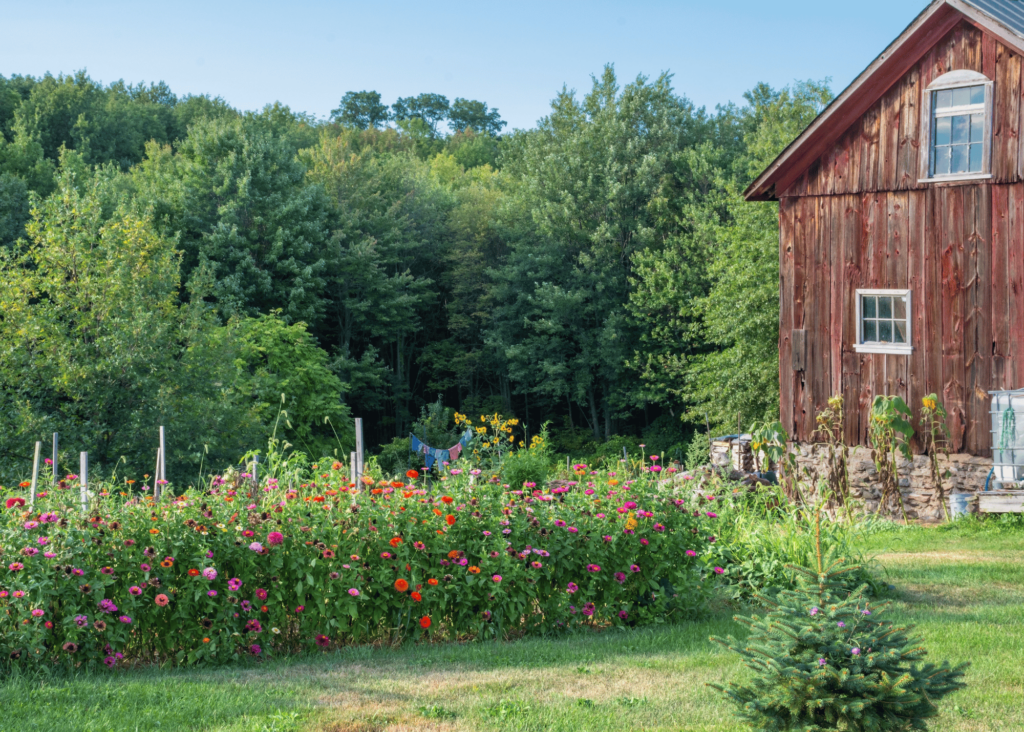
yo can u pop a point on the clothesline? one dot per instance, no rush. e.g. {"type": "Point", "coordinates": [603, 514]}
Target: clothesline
{"type": "Point", "coordinates": [433, 454]}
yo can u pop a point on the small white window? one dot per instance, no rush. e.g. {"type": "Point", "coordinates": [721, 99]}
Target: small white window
{"type": "Point", "coordinates": [957, 125]}
{"type": "Point", "coordinates": [883, 321]}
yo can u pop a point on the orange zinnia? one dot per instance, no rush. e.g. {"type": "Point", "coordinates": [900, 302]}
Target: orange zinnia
{"type": "Point", "coordinates": [474, 570]}
{"type": "Point", "coordinates": [395, 540]}
{"type": "Point", "coordinates": [450, 519]}
{"type": "Point", "coordinates": [453, 554]}
{"type": "Point", "coordinates": [336, 465]}
{"type": "Point", "coordinates": [206, 640]}
{"type": "Point", "coordinates": [431, 581]}
{"type": "Point", "coordinates": [401, 585]}
{"type": "Point", "coordinates": [447, 499]}
{"type": "Point", "coordinates": [437, 511]}
{"type": "Point", "coordinates": [416, 596]}
{"type": "Point", "coordinates": [412, 474]}
{"type": "Point", "coordinates": [154, 531]}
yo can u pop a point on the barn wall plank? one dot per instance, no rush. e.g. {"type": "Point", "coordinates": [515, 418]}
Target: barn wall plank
{"type": "Point", "coordinates": [999, 314]}
{"type": "Point", "coordinates": [786, 298]}
{"type": "Point", "coordinates": [951, 252]}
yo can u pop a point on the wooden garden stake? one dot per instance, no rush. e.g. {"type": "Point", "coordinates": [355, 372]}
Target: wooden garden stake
{"type": "Point", "coordinates": [83, 479]}
{"type": "Point", "coordinates": [352, 467]}
{"type": "Point", "coordinates": [359, 447]}
{"type": "Point", "coordinates": [35, 475]}
{"type": "Point", "coordinates": [163, 457]}
{"type": "Point", "coordinates": [55, 479]}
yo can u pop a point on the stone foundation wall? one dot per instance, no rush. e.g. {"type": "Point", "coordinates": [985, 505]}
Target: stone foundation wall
{"type": "Point", "coordinates": [967, 475]}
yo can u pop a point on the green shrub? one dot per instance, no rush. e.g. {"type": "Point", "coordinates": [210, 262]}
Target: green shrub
{"type": "Point", "coordinates": [763, 534]}
{"type": "Point", "coordinates": [698, 452]}
{"type": "Point", "coordinates": [822, 660]}
{"type": "Point", "coordinates": [396, 457]}
{"type": "Point", "coordinates": [524, 466]}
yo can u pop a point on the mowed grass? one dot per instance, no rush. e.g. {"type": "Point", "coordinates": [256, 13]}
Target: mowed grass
{"type": "Point", "coordinates": [964, 588]}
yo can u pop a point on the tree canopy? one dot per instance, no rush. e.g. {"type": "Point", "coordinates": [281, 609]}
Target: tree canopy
{"type": "Point", "coordinates": [171, 260]}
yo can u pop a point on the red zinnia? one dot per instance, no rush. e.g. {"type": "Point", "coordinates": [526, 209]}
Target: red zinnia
{"type": "Point", "coordinates": [401, 585]}
{"type": "Point", "coordinates": [412, 474]}
{"type": "Point", "coordinates": [450, 520]}
{"type": "Point", "coordinates": [447, 499]}
{"type": "Point", "coordinates": [12, 502]}
{"type": "Point", "coordinates": [425, 621]}
{"type": "Point", "coordinates": [395, 541]}
{"type": "Point", "coordinates": [193, 573]}
{"type": "Point", "coordinates": [416, 596]}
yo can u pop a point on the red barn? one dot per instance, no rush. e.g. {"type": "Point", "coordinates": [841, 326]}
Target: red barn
{"type": "Point", "coordinates": [901, 215]}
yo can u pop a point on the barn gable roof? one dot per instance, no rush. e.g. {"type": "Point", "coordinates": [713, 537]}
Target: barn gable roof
{"type": "Point", "coordinates": [1004, 19]}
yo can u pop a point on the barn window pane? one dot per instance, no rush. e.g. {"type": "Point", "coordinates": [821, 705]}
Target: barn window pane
{"type": "Point", "coordinates": [976, 158]}
{"type": "Point", "coordinates": [977, 127]}
{"type": "Point", "coordinates": [978, 94]}
{"type": "Point", "coordinates": [870, 331]}
{"type": "Point", "coordinates": [885, 331]}
{"type": "Point", "coordinates": [944, 99]}
{"type": "Point", "coordinates": [885, 307]}
{"type": "Point", "coordinates": [942, 129]}
{"type": "Point", "coordinates": [899, 306]}
{"type": "Point", "coordinates": [961, 129]}
{"type": "Point", "coordinates": [869, 307]}
{"type": "Point", "coordinates": [959, 162]}
{"type": "Point", "coordinates": [901, 331]}
{"type": "Point", "coordinates": [961, 97]}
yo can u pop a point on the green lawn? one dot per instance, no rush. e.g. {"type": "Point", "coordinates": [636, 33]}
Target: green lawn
{"type": "Point", "coordinates": [963, 588]}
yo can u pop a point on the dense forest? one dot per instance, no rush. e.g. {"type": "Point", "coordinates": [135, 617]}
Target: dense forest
{"type": "Point", "coordinates": [172, 260]}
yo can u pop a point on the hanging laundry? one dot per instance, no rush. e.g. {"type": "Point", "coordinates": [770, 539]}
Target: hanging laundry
{"type": "Point", "coordinates": [454, 452]}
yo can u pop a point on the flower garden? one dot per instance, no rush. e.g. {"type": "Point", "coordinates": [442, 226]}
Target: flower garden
{"type": "Point", "coordinates": [245, 568]}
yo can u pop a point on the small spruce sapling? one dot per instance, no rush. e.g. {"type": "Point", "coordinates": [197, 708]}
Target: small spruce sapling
{"type": "Point", "coordinates": [822, 661]}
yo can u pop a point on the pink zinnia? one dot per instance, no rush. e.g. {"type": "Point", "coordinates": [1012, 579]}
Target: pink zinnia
{"type": "Point", "coordinates": [593, 568]}
{"type": "Point", "coordinates": [719, 570]}
{"type": "Point", "coordinates": [496, 578]}
{"type": "Point", "coordinates": [261, 594]}
{"type": "Point", "coordinates": [274, 538]}
{"type": "Point", "coordinates": [354, 592]}
{"type": "Point", "coordinates": [38, 613]}
{"type": "Point", "coordinates": [691, 553]}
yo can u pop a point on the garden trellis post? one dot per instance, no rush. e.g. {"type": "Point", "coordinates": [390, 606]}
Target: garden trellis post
{"type": "Point", "coordinates": [256, 470]}
{"type": "Point", "coordinates": [35, 475]}
{"type": "Point", "coordinates": [359, 447]}
{"type": "Point", "coordinates": [55, 438]}
{"type": "Point", "coordinates": [163, 457]}
{"type": "Point", "coordinates": [352, 468]}
{"type": "Point", "coordinates": [83, 479]}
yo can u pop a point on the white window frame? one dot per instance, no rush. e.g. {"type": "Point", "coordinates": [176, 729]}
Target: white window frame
{"type": "Point", "coordinates": [954, 80]}
{"type": "Point", "coordinates": [891, 348]}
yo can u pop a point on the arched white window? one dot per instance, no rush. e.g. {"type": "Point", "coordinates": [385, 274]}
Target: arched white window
{"type": "Point", "coordinates": [957, 117]}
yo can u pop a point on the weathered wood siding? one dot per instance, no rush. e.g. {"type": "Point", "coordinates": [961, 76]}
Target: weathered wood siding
{"type": "Point", "coordinates": [881, 151]}
{"type": "Point", "coordinates": [958, 249]}
{"type": "Point", "coordinates": [858, 218]}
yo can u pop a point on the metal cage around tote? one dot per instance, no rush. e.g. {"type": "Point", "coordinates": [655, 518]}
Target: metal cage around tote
{"type": "Point", "coordinates": [1007, 438]}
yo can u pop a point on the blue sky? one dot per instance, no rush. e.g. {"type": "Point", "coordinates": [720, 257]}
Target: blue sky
{"type": "Point", "coordinates": [514, 56]}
